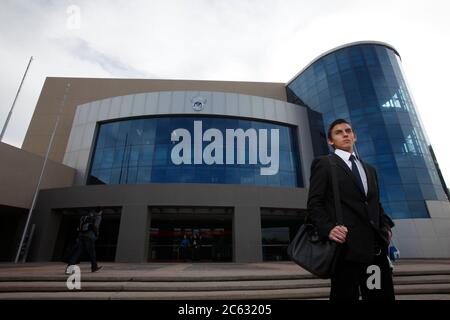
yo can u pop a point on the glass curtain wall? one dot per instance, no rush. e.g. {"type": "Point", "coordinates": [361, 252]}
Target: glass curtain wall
{"type": "Point", "coordinates": [139, 151]}
{"type": "Point", "coordinates": [364, 84]}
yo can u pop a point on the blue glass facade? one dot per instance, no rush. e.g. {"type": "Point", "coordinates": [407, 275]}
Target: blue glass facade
{"type": "Point", "coordinates": [142, 151]}
{"type": "Point", "coordinates": [364, 84]}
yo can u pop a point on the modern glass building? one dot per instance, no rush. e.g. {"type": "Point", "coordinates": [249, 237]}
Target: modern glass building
{"type": "Point", "coordinates": [228, 162]}
{"type": "Point", "coordinates": [364, 84]}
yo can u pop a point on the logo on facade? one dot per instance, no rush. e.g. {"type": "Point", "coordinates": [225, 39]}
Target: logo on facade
{"type": "Point", "coordinates": [198, 103]}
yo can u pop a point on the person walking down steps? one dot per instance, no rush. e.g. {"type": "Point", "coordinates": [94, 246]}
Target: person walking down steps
{"type": "Point", "coordinates": [88, 231]}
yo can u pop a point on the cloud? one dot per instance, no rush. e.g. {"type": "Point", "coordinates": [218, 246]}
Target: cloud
{"type": "Point", "coordinates": [265, 40]}
{"type": "Point", "coordinates": [80, 49]}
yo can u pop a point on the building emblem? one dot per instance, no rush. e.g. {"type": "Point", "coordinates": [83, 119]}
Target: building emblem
{"type": "Point", "coordinates": [198, 103]}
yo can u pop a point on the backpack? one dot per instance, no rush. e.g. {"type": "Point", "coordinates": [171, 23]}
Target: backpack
{"type": "Point", "coordinates": [86, 224]}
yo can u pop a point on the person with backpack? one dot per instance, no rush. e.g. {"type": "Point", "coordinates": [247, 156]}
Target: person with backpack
{"type": "Point", "coordinates": [88, 231]}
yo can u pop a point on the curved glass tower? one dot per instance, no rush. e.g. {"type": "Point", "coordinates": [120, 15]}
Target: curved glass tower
{"type": "Point", "coordinates": [364, 84]}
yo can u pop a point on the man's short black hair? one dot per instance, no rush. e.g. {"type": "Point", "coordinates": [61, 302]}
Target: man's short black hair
{"type": "Point", "coordinates": [335, 123]}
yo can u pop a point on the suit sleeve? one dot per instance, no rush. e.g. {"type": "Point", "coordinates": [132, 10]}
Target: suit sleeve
{"type": "Point", "coordinates": [385, 221]}
{"type": "Point", "coordinates": [319, 184]}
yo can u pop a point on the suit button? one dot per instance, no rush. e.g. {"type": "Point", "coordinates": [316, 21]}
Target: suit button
{"type": "Point", "coordinates": [366, 203]}
{"type": "Point", "coordinates": [372, 223]}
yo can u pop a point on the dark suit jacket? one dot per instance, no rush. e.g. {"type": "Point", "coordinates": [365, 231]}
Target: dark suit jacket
{"type": "Point", "coordinates": [363, 215]}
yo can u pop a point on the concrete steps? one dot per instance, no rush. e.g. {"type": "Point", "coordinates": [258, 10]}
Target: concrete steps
{"type": "Point", "coordinates": [405, 293]}
{"type": "Point", "coordinates": [176, 286]}
{"type": "Point", "coordinates": [414, 280]}
{"type": "Point", "coordinates": [303, 287]}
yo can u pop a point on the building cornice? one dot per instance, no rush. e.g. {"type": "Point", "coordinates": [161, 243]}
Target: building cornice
{"type": "Point", "coordinates": [387, 45]}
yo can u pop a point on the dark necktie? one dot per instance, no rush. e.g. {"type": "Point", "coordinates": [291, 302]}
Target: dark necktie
{"type": "Point", "coordinates": [356, 172]}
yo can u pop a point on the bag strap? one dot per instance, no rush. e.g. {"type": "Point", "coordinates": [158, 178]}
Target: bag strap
{"type": "Point", "coordinates": [336, 194]}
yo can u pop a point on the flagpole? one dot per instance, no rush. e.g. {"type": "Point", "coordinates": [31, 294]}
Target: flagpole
{"type": "Point", "coordinates": [14, 102]}
{"type": "Point", "coordinates": [30, 212]}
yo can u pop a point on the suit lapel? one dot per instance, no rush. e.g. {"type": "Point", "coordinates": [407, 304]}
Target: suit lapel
{"type": "Point", "coordinates": [340, 163]}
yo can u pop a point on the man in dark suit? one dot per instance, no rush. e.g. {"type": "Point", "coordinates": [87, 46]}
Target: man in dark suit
{"type": "Point", "coordinates": [364, 238]}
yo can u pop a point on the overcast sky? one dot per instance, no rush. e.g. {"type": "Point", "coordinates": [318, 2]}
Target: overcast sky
{"type": "Point", "coordinates": [238, 40]}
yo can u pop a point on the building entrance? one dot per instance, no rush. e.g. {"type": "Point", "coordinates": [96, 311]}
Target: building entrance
{"type": "Point", "coordinates": [12, 223]}
{"type": "Point", "coordinates": [279, 227]}
{"type": "Point", "coordinates": [190, 235]}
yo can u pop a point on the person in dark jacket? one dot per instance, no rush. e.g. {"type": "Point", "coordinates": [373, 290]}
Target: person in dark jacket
{"type": "Point", "coordinates": [365, 236]}
{"type": "Point", "coordinates": [88, 232]}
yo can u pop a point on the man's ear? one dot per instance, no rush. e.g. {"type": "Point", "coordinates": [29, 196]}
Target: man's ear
{"type": "Point", "coordinates": [354, 134]}
{"type": "Point", "coordinates": [331, 143]}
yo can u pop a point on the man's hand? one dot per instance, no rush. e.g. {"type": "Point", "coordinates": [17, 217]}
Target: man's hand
{"type": "Point", "coordinates": [338, 234]}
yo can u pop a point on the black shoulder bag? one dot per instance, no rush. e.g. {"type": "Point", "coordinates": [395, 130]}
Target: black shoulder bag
{"type": "Point", "coordinates": [308, 250]}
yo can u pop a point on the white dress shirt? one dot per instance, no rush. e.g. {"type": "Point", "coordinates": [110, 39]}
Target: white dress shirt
{"type": "Point", "coordinates": [344, 155]}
